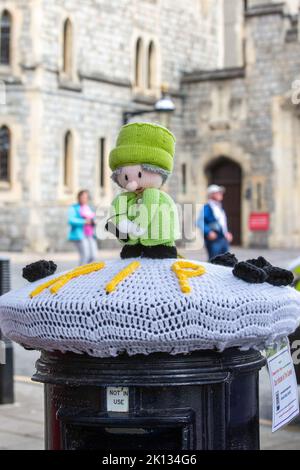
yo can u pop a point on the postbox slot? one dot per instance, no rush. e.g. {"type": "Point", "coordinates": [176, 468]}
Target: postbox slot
{"type": "Point", "coordinates": [161, 431]}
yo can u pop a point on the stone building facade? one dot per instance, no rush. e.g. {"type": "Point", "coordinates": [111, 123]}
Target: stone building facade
{"type": "Point", "coordinates": [72, 68]}
{"type": "Point", "coordinates": [243, 125]}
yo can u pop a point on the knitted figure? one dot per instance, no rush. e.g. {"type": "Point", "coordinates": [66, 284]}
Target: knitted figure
{"type": "Point", "coordinates": [145, 218]}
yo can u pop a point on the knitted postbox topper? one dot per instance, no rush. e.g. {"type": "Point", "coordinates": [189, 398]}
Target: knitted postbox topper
{"type": "Point", "coordinates": [142, 306]}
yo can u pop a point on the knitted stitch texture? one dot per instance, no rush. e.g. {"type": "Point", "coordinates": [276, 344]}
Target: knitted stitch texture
{"type": "Point", "coordinates": [151, 218]}
{"type": "Point", "coordinates": [147, 312]}
{"type": "Point", "coordinates": [143, 142]}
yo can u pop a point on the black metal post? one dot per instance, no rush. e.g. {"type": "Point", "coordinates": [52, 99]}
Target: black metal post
{"type": "Point", "coordinates": [129, 114]}
{"type": "Point", "coordinates": [7, 369]}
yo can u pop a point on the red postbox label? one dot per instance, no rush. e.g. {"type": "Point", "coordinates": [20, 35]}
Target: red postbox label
{"type": "Point", "coordinates": [259, 222]}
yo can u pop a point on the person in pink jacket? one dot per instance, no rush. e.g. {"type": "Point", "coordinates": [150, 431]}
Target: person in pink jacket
{"type": "Point", "coordinates": [81, 219]}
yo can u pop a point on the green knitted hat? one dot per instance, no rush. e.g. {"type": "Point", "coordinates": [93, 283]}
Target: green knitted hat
{"type": "Point", "coordinates": [140, 143]}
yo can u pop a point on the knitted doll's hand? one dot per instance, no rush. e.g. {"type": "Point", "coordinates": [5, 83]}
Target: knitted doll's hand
{"type": "Point", "coordinates": [124, 226]}
{"type": "Point", "coordinates": [128, 227]}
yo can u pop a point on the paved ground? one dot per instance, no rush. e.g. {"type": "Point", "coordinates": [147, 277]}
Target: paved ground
{"type": "Point", "coordinates": [21, 424]}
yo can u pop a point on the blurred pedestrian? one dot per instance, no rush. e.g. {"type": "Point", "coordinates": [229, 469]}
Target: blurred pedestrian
{"type": "Point", "coordinates": [213, 223]}
{"type": "Point", "coordinates": [81, 219]}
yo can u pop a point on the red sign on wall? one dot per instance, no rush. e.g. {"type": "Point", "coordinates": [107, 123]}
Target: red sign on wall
{"type": "Point", "coordinates": [259, 222]}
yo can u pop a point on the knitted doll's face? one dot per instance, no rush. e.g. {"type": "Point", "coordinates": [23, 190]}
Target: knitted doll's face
{"type": "Point", "coordinates": [135, 179]}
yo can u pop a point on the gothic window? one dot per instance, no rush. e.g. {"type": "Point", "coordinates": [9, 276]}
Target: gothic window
{"type": "Point", "coordinates": [68, 48]}
{"type": "Point", "coordinates": [68, 161]}
{"type": "Point", "coordinates": [151, 66]}
{"type": "Point", "coordinates": [234, 33]}
{"type": "Point", "coordinates": [102, 163]}
{"type": "Point", "coordinates": [146, 65]}
{"type": "Point", "coordinates": [183, 178]}
{"type": "Point", "coordinates": [5, 38]}
{"type": "Point", "coordinates": [259, 193]}
{"type": "Point", "coordinates": [5, 154]}
{"type": "Point", "coordinates": [139, 63]}
{"type": "Point", "coordinates": [204, 7]}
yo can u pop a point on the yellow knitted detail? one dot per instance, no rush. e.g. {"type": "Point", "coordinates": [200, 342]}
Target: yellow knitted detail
{"type": "Point", "coordinates": [130, 269]}
{"type": "Point", "coordinates": [83, 270]}
{"type": "Point", "coordinates": [185, 270]}
{"type": "Point", "coordinates": [58, 282]}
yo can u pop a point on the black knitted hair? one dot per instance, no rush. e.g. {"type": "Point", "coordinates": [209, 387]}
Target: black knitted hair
{"type": "Point", "coordinates": [260, 270]}
{"type": "Point", "coordinates": [249, 273]}
{"type": "Point", "coordinates": [259, 262]}
{"type": "Point", "coordinates": [228, 259]}
{"type": "Point", "coordinates": [38, 270]}
{"type": "Point", "coordinates": [279, 277]}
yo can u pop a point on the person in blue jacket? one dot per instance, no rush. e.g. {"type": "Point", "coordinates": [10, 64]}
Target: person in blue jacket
{"type": "Point", "coordinates": [81, 220]}
{"type": "Point", "coordinates": [213, 223]}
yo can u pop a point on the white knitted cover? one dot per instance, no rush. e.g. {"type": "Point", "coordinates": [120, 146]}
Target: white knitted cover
{"type": "Point", "coordinates": [148, 312]}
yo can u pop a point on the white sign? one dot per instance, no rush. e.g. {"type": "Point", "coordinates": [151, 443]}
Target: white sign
{"type": "Point", "coordinates": [117, 399]}
{"type": "Point", "coordinates": [284, 385]}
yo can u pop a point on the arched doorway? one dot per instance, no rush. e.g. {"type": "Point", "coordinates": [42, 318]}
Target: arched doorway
{"type": "Point", "coordinates": [226, 172]}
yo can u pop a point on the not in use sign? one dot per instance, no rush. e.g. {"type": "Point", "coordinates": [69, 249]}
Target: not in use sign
{"type": "Point", "coordinates": [117, 399]}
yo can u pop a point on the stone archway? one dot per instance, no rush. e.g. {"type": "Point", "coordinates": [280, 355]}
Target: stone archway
{"type": "Point", "coordinates": [226, 172]}
{"type": "Point", "coordinates": [236, 154]}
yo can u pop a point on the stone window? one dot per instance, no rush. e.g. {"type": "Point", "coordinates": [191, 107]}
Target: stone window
{"type": "Point", "coordinates": [5, 154]}
{"type": "Point", "coordinates": [183, 178]}
{"type": "Point", "coordinates": [68, 162]}
{"type": "Point", "coordinates": [151, 72]}
{"type": "Point", "coordinates": [258, 193]}
{"type": "Point", "coordinates": [204, 7]}
{"type": "Point", "coordinates": [102, 181]}
{"type": "Point", "coordinates": [5, 38]}
{"type": "Point", "coordinates": [139, 63]}
{"type": "Point", "coordinates": [68, 49]}
{"type": "Point", "coordinates": [102, 164]}
{"type": "Point", "coordinates": [234, 33]}
{"type": "Point", "coordinates": [146, 70]}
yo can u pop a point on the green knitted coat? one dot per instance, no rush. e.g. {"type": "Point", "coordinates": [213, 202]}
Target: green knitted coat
{"type": "Point", "coordinates": [153, 210]}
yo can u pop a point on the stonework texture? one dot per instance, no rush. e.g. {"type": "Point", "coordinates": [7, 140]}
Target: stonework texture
{"type": "Point", "coordinates": [249, 115]}
{"type": "Point", "coordinates": [243, 113]}
{"type": "Point", "coordinates": [41, 106]}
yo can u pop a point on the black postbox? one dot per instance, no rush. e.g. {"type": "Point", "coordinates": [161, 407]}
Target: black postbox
{"type": "Point", "coordinates": [202, 401]}
{"type": "Point", "coordinates": [6, 369]}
